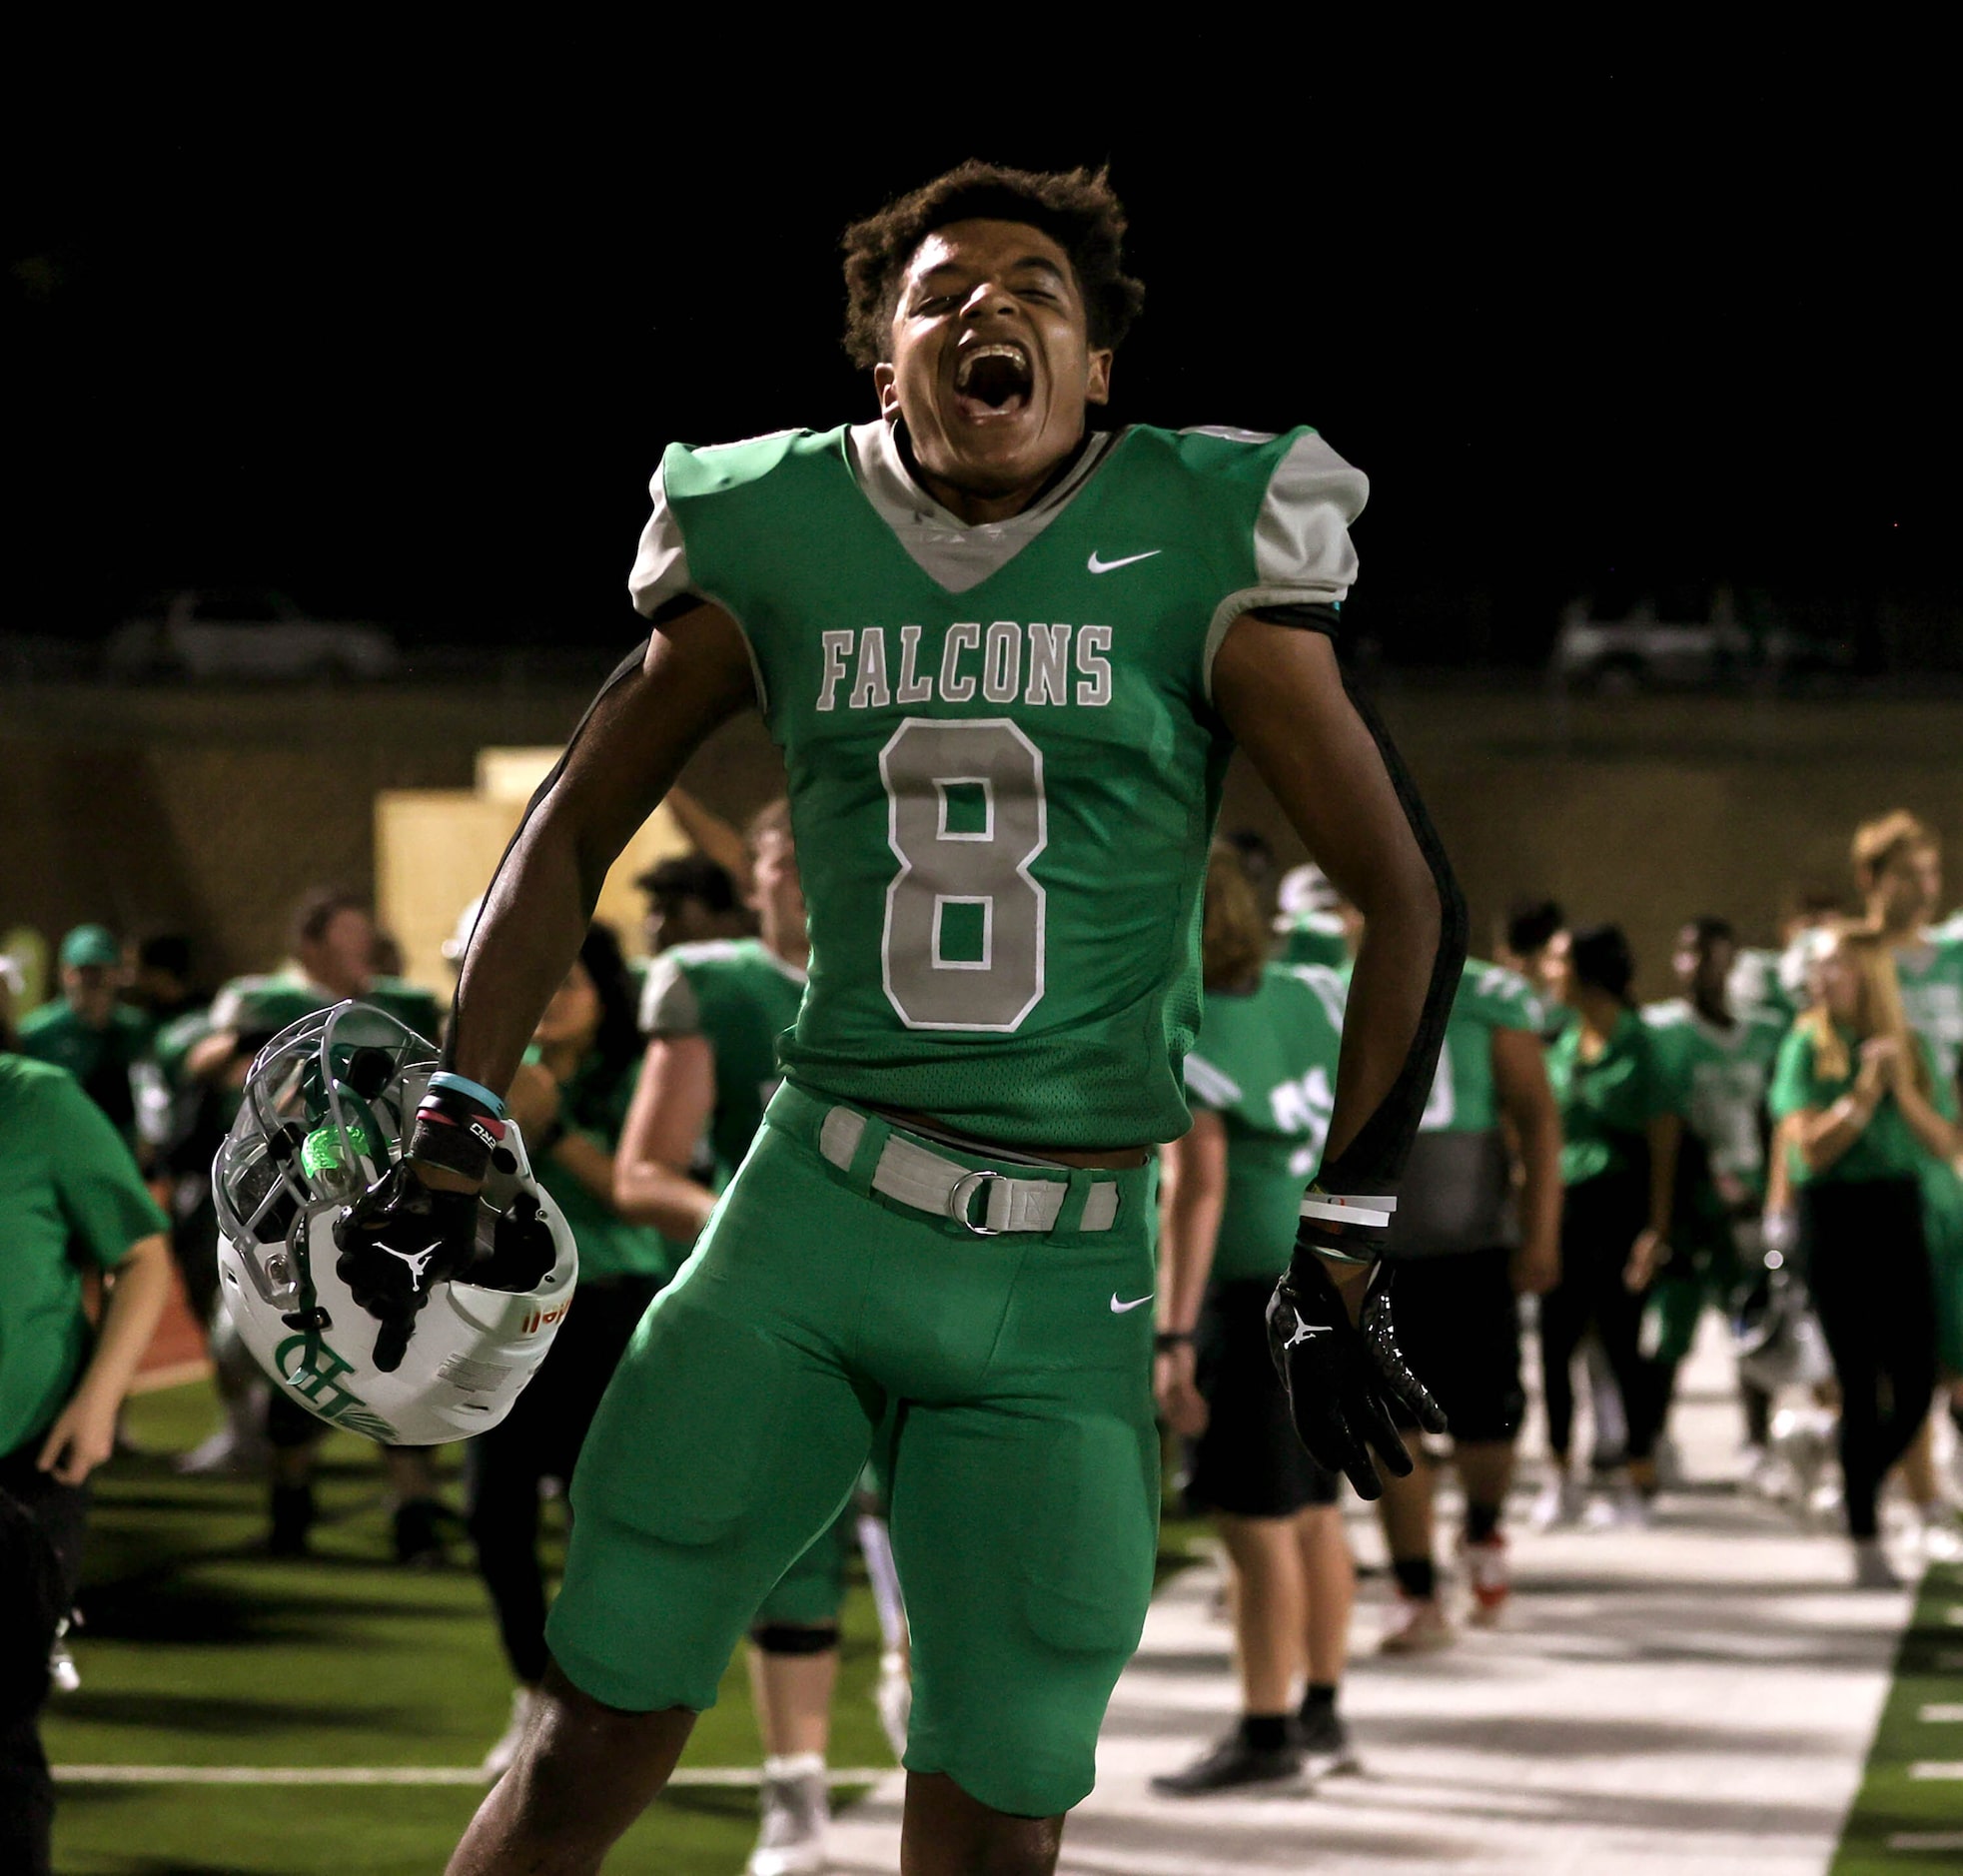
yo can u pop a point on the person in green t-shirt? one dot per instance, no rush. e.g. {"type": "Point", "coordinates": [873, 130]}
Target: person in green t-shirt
{"type": "Point", "coordinates": [1260, 1079]}
{"type": "Point", "coordinates": [66, 1179]}
{"type": "Point", "coordinates": [87, 1031]}
{"type": "Point", "coordinates": [571, 1099]}
{"type": "Point", "coordinates": [1897, 862]}
{"type": "Point", "coordinates": [1619, 1173]}
{"type": "Point", "coordinates": [1868, 1110]}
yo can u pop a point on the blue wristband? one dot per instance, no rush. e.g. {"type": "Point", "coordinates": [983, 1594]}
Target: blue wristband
{"type": "Point", "coordinates": [443, 1080]}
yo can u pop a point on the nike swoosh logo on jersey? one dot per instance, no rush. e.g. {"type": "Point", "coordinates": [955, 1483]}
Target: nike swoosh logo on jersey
{"type": "Point", "coordinates": [1111, 566]}
{"type": "Point", "coordinates": [1123, 1308]}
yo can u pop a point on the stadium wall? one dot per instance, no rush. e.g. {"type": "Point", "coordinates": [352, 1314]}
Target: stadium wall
{"type": "Point", "coordinates": [213, 809]}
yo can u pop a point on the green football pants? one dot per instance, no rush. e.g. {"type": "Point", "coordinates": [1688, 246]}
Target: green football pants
{"type": "Point", "coordinates": [1025, 1460]}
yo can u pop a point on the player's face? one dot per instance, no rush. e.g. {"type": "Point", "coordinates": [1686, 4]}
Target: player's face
{"type": "Point", "coordinates": [1702, 965]}
{"type": "Point", "coordinates": [992, 363]}
{"type": "Point", "coordinates": [1907, 891]}
{"type": "Point", "coordinates": [776, 893]}
{"type": "Point", "coordinates": [342, 957]}
{"type": "Point", "coordinates": [90, 989]}
{"type": "Point", "coordinates": [1836, 981]}
{"type": "Point", "coordinates": [573, 1013]}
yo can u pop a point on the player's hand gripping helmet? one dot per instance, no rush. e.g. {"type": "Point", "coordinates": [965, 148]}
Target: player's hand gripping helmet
{"type": "Point", "coordinates": [326, 1106]}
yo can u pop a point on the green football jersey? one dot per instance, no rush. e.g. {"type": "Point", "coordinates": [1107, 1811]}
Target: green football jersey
{"type": "Point", "coordinates": [102, 1060]}
{"type": "Point", "coordinates": [1003, 759]}
{"type": "Point", "coordinates": [1265, 1062]}
{"type": "Point", "coordinates": [280, 998]}
{"type": "Point", "coordinates": [1759, 990]}
{"type": "Point", "coordinates": [741, 998]}
{"type": "Point", "coordinates": [1456, 1192]}
{"type": "Point", "coordinates": [1716, 1082]}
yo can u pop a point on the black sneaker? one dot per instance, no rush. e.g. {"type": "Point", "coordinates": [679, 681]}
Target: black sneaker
{"type": "Point", "coordinates": [1232, 1766]}
{"type": "Point", "coordinates": [1323, 1743]}
{"type": "Point", "coordinates": [419, 1533]}
{"type": "Point", "coordinates": [293, 1518]}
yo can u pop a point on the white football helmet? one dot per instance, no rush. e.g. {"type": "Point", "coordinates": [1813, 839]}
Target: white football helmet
{"type": "Point", "coordinates": [326, 1106]}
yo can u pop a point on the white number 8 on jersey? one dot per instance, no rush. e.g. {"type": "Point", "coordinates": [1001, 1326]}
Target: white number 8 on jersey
{"type": "Point", "coordinates": [962, 945]}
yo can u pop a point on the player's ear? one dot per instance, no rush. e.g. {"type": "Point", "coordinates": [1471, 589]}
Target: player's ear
{"type": "Point", "coordinates": [887, 383]}
{"type": "Point", "coordinates": [1097, 378]}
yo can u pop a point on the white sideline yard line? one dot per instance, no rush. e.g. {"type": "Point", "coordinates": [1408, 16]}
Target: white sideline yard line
{"type": "Point", "coordinates": [1926, 1840]}
{"type": "Point", "coordinates": [1941, 1713]}
{"type": "Point", "coordinates": [1953, 1616]}
{"type": "Point", "coordinates": [1937, 1768]}
{"type": "Point", "coordinates": [734, 1776]}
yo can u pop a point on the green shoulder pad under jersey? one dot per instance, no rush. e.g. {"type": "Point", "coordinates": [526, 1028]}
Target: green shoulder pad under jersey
{"type": "Point", "coordinates": [1265, 1062]}
{"type": "Point", "coordinates": [1455, 1193]}
{"type": "Point", "coordinates": [1931, 978]}
{"type": "Point", "coordinates": [740, 998]}
{"type": "Point", "coordinates": [1715, 1080]}
{"type": "Point", "coordinates": [1003, 795]}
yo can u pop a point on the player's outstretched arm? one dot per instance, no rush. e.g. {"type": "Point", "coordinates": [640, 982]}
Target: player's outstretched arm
{"type": "Point", "coordinates": [1340, 782]}
{"type": "Point", "coordinates": [622, 759]}
{"type": "Point", "coordinates": [417, 1224]}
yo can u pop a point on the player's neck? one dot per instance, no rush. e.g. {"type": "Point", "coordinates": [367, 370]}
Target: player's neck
{"type": "Point", "coordinates": [978, 508]}
{"type": "Point", "coordinates": [1714, 1010]}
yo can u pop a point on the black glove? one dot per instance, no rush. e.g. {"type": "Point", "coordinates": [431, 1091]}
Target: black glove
{"type": "Point", "coordinates": [1338, 1375]}
{"type": "Point", "coordinates": [398, 1241]}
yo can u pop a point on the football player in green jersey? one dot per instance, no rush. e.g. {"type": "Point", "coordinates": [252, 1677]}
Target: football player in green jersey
{"type": "Point", "coordinates": [1466, 1245]}
{"type": "Point", "coordinates": [1715, 1065]}
{"type": "Point", "coordinates": [1312, 920]}
{"type": "Point", "coordinates": [1260, 1081]}
{"type": "Point", "coordinates": [1006, 657]}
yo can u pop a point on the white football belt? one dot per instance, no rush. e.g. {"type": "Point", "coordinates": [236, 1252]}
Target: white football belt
{"type": "Point", "coordinates": [918, 1176]}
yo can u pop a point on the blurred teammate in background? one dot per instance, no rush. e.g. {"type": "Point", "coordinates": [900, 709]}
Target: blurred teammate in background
{"type": "Point", "coordinates": [1467, 1241]}
{"type": "Point", "coordinates": [67, 1184]}
{"type": "Point", "coordinates": [712, 1013]}
{"type": "Point", "coordinates": [332, 941]}
{"type": "Point", "coordinates": [1259, 1080]}
{"type": "Point", "coordinates": [571, 1099]}
{"type": "Point", "coordinates": [1716, 1066]}
{"type": "Point", "coordinates": [691, 900]}
{"type": "Point", "coordinates": [87, 1030]}
{"type": "Point", "coordinates": [1619, 1168]}
{"type": "Point", "coordinates": [1868, 1112]}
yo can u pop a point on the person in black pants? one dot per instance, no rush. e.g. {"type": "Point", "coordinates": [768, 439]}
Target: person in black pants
{"type": "Point", "coordinates": [1868, 1110]}
{"type": "Point", "coordinates": [1619, 1173]}
{"type": "Point", "coordinates": [570, 1101]}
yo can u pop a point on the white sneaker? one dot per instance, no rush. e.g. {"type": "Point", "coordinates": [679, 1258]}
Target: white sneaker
{"type": "Point", "coordinates": [1560, 1504]}
{"type": "Point", "coordinates": [797, 1817]}
{"type": "Point", "coordinates": [1419, 1626]}
{"type": "Point", "coordinates": [1627, 1509]}
{"type": "Point", "coordinates": [228, 1453]}
{"type": "Point", "coordinates": [1939, 1538]}
{"type": "Point", "coordinates": [63, 1675]}
{"type": "Point", "coordinates": [498, 1761]}
{"type": "Point", "coordinates": [893, 1697]}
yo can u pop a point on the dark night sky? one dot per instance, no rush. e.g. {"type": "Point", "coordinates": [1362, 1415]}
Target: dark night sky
{"type": "Point", "coordinates": [416, 364]}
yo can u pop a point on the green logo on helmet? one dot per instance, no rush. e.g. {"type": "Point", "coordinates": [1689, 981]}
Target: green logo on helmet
{"type": "Point", "coordinates": [313, 1370]}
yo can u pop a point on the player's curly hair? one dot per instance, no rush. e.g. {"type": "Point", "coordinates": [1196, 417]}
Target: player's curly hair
{"type": "Point", "coordinates": [1075, 208]}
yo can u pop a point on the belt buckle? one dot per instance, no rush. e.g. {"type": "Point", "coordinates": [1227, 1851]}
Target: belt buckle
{"type": "Point", "coordinates": [961, 1193]}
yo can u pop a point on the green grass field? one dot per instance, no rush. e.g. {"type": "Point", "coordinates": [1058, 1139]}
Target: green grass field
{"type": "Point", "coordinates": [201, 1652]}
{"type": "Point", "coordinates": [1901, 1823]}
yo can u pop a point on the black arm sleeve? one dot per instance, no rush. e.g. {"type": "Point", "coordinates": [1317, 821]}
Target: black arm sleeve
{"type": "Point", "coordinates": [1375, 1159]}
{"type": "Point", "coordinates": [1314, 618]}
